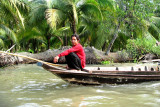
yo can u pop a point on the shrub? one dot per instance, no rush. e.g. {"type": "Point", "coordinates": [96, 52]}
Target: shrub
{"type": "Point", "coordinates": [105, 62]}
{"type": "Point", "coordinates": [122, 56]}
{"type": "Point", "coordinates": [138, 47]}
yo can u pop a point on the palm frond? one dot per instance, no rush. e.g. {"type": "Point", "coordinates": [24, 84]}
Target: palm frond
{"type": "Point", "coordinates": [155, 31]}
{"type": "Point", "coordinates": [1, 43]}
{"type": "Point", "coordinates": [10, 10]}
{"type": "Point", "coordinates": [10, 33]}
{"type": "Point", "coordinates": [37, 14]}
{"type": "Point", "coordinates": [23, 6]}
{"type": "Point", "coordinates": [18, 12]}
{"type": "Point", "coordinates": [155, 21]}
{"type": "Point", "coordinates": [63, 29]}
{"type": "Point", "coordinates": [106, 4]}
{"type": "Point", "coordinates": [7, 11]}
{"type": "Point", "coordinates": [53, 17]}
{"type": "Point", "coordinates": [81, 29]}
{"type": "Point", "coordinates": [2, 32]}
{"type": "Point", "coordinates": [33, 33]}
{"type": "Point", "coordinates": [91, 9]}
{"type": "Point", "coordinates": [149, 36]}
{"type": "Point", "coordinates": [75, 13]}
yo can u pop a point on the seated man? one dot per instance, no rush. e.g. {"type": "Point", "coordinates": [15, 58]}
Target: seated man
{"type": "Point", "coordinates": [75, 56]}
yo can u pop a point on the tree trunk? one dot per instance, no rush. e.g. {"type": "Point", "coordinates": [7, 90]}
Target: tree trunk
{"type": "Point", "coordinates": [135, 1]}
{"type": "Point", "coordinates": [73, 25]}
{"type": "Point", "coordinates": [37, 47]}
{"type": "Point", "coordinates": [112, 41]}
{"type": "Point", "coordinates": [104, 46]}
{"type": "Point", "coordinates": [93, 56]}
{"type": "Point", "coordinates": [66, 42]}
{"type": "Point", "coordinates": [48, 42]}
{"type": "Point", "coordinates": [60, 39]}
{"type": "Point", "coordinates": [11, 46]}
{"type": "Point", "coordinates": [34, 45]}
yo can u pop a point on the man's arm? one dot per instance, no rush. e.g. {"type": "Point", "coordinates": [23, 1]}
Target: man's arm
{"type": "Point", "coordinates": [67, 52]}
{"type": "Point", "coordinates": [73, 49]}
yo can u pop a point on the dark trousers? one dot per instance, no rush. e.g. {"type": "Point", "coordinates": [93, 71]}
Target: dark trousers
{"type": "Point", "coordinates": [73, 61]}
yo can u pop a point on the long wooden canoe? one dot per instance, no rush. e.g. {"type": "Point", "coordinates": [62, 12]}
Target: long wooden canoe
{"type": "Point", "coordinates": [107, 75]}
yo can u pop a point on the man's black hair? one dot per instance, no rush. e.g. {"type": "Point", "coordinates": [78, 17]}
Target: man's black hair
{"type": "Point", "coordinates": [75, 35]}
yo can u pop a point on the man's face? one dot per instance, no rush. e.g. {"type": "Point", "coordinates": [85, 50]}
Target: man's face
{"type": "Point", "coordinates": [74, 41]}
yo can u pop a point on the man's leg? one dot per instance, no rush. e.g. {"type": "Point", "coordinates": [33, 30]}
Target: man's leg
{"type": "Point", "coordinates": [73, 61]}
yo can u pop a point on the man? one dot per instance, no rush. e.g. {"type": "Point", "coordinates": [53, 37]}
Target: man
{"type": "Point", "coordinates": [75, 56]}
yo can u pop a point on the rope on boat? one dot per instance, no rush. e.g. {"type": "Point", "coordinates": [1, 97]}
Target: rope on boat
{"type": "Point", "coordinates": [23, 56]}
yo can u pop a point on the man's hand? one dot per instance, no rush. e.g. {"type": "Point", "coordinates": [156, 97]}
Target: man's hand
{"type": "Point", "coordinates": [55, 60]}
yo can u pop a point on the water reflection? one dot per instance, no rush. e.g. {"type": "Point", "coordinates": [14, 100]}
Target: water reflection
{"type": "Point", "coordinates": [32, 86]}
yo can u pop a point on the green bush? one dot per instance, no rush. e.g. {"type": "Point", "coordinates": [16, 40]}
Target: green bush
{"type": "Point", "coordinates": [105, 62]}
{"type": "Point", "coordinates": [30, 51]}
{"type": "Point", "coordinates": [122, 56]}
{"type": "Point", "coordinates": [138, 47]}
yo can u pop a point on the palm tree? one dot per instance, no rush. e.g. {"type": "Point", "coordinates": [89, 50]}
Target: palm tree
{"type": "Point", "coordinates": [68, 12]}
{"type": "Point", "coordinates": [37, 20]}
{"type": "Point", "coordinates": [11, 18]}
{"type": "Point", "coordinates": [98, 31]}
{"type": "Point", "coordinates": [154, 22]}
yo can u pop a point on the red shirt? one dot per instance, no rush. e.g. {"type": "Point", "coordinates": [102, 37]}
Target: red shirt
{"type": "Point", "coordinates": [77, 49]}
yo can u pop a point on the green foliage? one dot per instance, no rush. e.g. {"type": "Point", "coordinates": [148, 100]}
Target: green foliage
{"type": "Point", "coordinates": [138, 47]}
{"type": "Point", "coordinates": [95, 21]}
{"type": "Point", "coordinates": [1, 43]}
{"type": "Point", "coordinates": [30, 51]}
{"type": "Point", "coordinates": [123, 56]}
{"type": "Point", "coordinates": [105, 62]}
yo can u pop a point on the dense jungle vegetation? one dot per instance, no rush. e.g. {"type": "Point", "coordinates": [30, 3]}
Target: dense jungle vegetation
{"type": "Point", "coordinates": [109, 25]}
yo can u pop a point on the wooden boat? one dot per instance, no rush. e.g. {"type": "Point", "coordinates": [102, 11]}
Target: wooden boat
{"type": "Point", "coordinates": [107, 75]}
{"type": "Point", "coordinates": [101, 75]}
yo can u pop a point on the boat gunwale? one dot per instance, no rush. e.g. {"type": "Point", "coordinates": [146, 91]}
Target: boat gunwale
{"type": "Point", "coordinates": [109, 76]}
{"type": "Point", "coordinates": [102, 74]}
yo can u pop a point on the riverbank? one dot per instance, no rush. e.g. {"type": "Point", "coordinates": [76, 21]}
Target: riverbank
{"type": "Point", "coordinates": [93, 56]}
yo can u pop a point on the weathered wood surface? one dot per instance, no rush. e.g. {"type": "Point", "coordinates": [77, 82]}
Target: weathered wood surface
{"type": "Point", "coordinates": [108, 75]}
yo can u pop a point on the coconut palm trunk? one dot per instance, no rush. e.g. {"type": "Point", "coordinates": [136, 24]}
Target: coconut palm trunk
{"type": "Point", "coordinates": [66, 42]}
{"type": "Point", "coordinates": [73, 27]}
{"type": "Point", "coordinates": [48, 42]}
{"type": "Point", "coordinates": [113, 40]}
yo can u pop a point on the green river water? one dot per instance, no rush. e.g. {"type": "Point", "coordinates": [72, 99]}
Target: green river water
{"type": "Point", "coordinates": [32, 86]}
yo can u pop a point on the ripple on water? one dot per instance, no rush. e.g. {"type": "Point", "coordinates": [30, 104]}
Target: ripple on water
{"type": "Point", "coordinates": [106, 91]}
{"type": "Point", "coordinates": [3, 92]}
{"type": "Point", "coordinates": [29, 99]}
{"type": "Point", "coordinates": [17, 88]}
{"type": "Point", "coordinates": [153, 85]}
{"type": "Point", "coordinates": [33, 105]}
{"type": "Point", "coordinates": [97, 98]}
{"type": "Point", "coordinates": [84, 103]}
{"type": "Point", "coordinates": [157, 92]}
{"type": "Point", "coordinates": [63, 101]}
{"type": "Point", "coordinates": [150, 104]}
{"type": "Point", "coordinates": [144, 96]}
{"type": "Point", "coordinates": [157, 100]}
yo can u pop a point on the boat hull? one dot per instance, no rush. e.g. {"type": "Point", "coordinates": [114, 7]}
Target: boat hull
{"type": "Point", "coordinates": [98, 77]}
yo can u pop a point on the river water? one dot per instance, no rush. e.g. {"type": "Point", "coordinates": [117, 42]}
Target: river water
{"type": "Point", "coordinates": [32, 86]}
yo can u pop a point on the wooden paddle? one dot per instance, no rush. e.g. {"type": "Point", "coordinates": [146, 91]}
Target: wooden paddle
{"type": "Point", "coordinates": [32, 59]}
